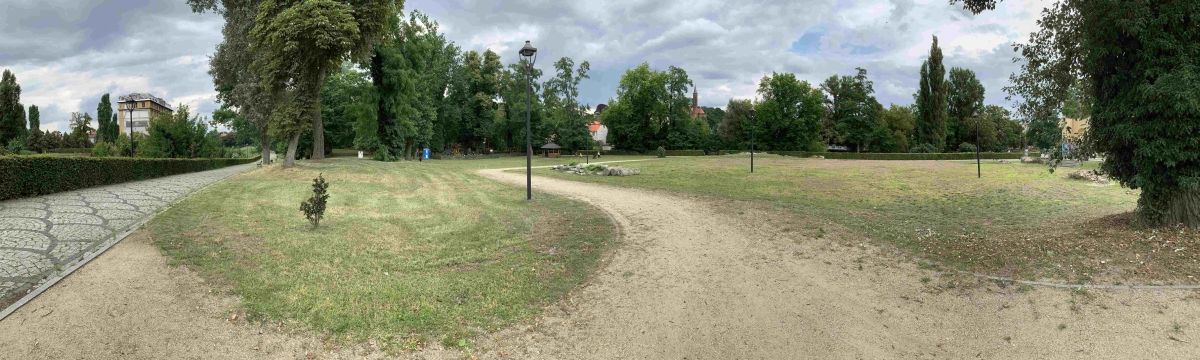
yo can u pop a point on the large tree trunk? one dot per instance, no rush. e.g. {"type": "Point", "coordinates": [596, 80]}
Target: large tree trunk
{"type": "Point", "coordinates": [318, 130]}
{"type": "Point", "coordinates": [1183, 208]}
{"type": "Point", "coordinates": [290, 159]}
{"type": "Point", "coordinates": [266, 148]}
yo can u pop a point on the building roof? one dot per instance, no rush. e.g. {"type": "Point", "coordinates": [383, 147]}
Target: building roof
{"type": "Point", "coordinates": [144, 96]}
{"type": "Point", "coordinates": [551, 146]}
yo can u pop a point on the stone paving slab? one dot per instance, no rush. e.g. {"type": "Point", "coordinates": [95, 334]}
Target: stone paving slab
{"type": "Point", "coordinates": [45, 238]}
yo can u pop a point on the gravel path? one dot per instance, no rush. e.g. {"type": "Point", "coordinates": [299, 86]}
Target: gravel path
{"type": "Point", "coordinates": [689, 282]}
{"type": "Point", "coordinates": [45, 238]}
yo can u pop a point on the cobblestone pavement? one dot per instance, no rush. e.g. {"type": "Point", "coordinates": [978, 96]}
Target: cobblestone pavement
{"type": "Point", "coordinates": [42, 237]}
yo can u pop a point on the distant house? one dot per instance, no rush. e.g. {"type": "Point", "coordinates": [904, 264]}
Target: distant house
{"type": "Point", "coordinates": [135, 111]}
{"type": "Point", "coordinates": [598, 131]}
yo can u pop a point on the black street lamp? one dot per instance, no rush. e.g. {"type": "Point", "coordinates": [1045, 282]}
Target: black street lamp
{"type": "Point", "coordinates": [129, 107]}
{"type": "Point", "coordinates": [528, 56]}
{"type": "Point", "coordinates": [753, 129]}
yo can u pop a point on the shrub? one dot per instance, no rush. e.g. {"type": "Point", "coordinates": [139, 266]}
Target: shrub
{"type": "Point", "coordinates": [314, 207]}
{"type": "Point", "coordinates": [105, 149]}
{"type": "Point", "coordinates": [40, 175]}
{"type": "Point", "coordinates": [923, 149]}
{"type": "Point", "coordinates": [817, 146]}
{"type": "Point", "coordinates": [15, 146]}
{"type": "Point", "coordinates": [661, 152]}
{"type": "Point", "coordinates": [966, 147]}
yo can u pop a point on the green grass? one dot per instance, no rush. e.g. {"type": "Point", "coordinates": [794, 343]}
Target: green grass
{"type": "Point", "coordinates": [408, 253]}
{"type": "Point", "coordinates": [1019, 219]}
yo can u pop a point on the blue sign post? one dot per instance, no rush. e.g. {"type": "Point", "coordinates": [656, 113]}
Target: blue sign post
{"type": "Point", "coordinates": [425, 153]}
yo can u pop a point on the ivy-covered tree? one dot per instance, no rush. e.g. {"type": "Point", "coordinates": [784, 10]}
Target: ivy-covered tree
{"type": "Point", "coordinates": [931, 101]}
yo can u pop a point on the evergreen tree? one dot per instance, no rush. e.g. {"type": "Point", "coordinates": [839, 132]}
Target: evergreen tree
{"type": "Point", "coordinates": [106, 129]}
{"type": "Point", "coordinates": [12, 120]}
{"type": "Point", "coordinates": [931, 101]}
{"type": "Point", "coordinates": [35, 118]}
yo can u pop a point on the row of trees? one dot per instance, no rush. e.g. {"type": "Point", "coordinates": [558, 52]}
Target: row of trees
{"type": "Point", "coordinates": [404, 88]}
{"type": "Point", "coordinates": [652, 109]}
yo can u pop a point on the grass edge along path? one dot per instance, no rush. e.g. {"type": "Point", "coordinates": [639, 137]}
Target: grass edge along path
{"type": "Point", "coordinates": [1019, 221]}
{"type": "Point", "coordinates": [409, 253]}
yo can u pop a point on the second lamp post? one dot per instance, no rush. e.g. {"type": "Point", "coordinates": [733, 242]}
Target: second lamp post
{"type": "Point", "coordinates": [528, 56]}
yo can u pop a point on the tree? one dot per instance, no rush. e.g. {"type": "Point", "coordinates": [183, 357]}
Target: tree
{"type": "Point", "coordinates": [81, 124]}
{"type": "Point", "coordinates": [566, 118]}
{"type": "Point", "coordinates": [12, 119]}
{"type": "Point", "coordinates": [1141, 59]}
{"type": "Point", "coordinates": [853, 112]}
{"type": "Point", "coordinates": [302, 42]}
{"type": "Point", "coordinates": [651, 109]}
{"type": "Point", "coordinates": [964, 100]}
{"type": "Point", "coordinates": [35, 118]}
{"type": "Point", "coordinates": [239, 87]}
{"type": "Point", "coordinates": [179, 135]}
{"type": "Point", "coordinates": [411, 73]}
{"type": "Point", "coordinates": [788, 118]}
{"type": "Point", "coordinates": [901, 120]}
{"type": "Point", "coordinates": [347, 100]}
{"type": "Point", "coordinates": [106, 129]}
{"type": "Point", "coordinates": [735, 124]}
{"type": "Point", "coordinates": [931, 101]}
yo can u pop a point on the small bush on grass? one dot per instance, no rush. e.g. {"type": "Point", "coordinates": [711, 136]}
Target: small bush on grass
{"type": "Point", "coordinates": [661, 152]}
{"type": "Point", "coordinates": [966, 147]}
{"type": "Point", "coordinates": [314, 207]}
{"type": "Point", "coordinates": [105, 149]}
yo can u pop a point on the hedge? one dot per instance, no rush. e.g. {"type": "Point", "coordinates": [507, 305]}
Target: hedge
{"type": "Point", "coordinates": [25, 176]}
{"type": "Point", "coordinates": [70, 151]}
{"type": "Point", "coordinates": [899, 156]}
{"type": "Point", "coordinates": [685, 152]}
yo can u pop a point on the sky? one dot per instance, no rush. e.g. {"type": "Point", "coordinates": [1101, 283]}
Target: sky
{"type": "Point", "coordinates": [67, 53]}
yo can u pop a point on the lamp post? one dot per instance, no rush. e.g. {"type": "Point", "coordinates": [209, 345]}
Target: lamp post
{"type": "Point", "coordinates": [753, 129]}
{"type": "Point", "coordinates": [129, 107]}
{"type": "Point", "coordinates": [978, 164]}
{"type": "Point", "coordinates": [528, 56]}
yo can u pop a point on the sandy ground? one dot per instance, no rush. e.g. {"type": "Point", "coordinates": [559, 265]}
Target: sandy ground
{"type": "Point", "coordinates": [128, 304]}
{"type": "Point", "coordinates": [686, 282]}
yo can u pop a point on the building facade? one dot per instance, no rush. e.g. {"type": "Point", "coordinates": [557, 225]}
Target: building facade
{"type": "Point", "coordinates": [134, 111]}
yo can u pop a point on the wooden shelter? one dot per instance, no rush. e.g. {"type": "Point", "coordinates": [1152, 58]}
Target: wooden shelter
{"type": "Point", "coordinates": [552, 150]}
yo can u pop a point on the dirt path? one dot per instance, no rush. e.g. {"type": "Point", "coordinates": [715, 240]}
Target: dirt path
{"type": "Point", "coordinates": [686, 282]}
{"type": "Point", "coordinates": [689, 283]}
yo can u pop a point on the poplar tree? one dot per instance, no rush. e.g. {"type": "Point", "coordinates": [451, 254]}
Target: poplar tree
{"type": "Point", "coordinates": [931, 101]}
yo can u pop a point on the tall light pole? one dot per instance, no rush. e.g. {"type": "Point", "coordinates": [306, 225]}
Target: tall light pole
{"type": "Point", "coordinates": [753, 129]}
{"type": "Point", "coordinates": [528, 56]}
{"type": "Point", "coordinates": [129, 107]}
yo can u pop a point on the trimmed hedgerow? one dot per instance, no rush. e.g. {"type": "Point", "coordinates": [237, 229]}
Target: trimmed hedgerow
{"type": "Point", "coordinates": [24, 176]}
{"type": "Point", "coordinates": [900, 156]}
{"type": "Point", "coordinates": [685, 152]}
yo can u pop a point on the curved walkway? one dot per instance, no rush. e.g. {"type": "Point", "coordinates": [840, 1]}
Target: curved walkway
{"type": "Point", "coordinates": [45, 238]}
{"type": "Point", "coordinates": [692, 281]}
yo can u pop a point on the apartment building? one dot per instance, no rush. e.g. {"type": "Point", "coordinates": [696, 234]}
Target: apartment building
{"type": "Point", "coordinates": [135, 111]}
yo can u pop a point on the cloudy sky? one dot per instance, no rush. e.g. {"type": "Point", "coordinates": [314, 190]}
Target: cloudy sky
{"type": "Point", "coordinates": [67, 53]}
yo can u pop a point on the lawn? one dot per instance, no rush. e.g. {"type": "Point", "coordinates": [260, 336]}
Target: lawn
{"type": "Point", "coordinates": [1018, 220]}
{"type": "Point", "coordinates": [408, 253]}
